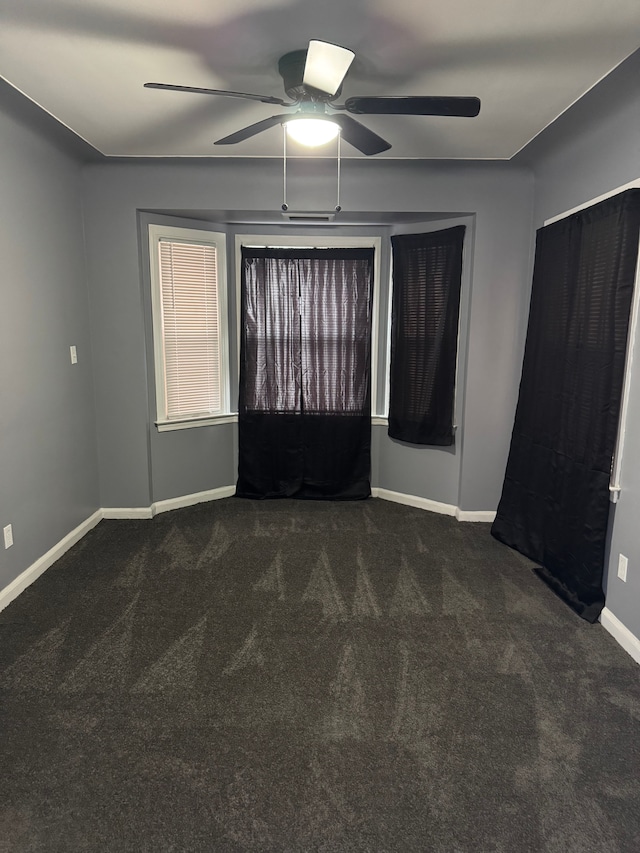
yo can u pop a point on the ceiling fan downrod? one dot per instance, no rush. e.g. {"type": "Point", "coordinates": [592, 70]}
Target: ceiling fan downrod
{"type": "Point", "coordinates": [285, 205]}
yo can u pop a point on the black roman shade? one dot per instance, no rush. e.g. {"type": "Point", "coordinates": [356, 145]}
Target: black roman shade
{"type": "Point", "coordinates": [427, 271]}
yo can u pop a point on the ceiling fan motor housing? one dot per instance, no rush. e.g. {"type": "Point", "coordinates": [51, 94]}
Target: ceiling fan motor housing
{"type": "Point", "coordinates": [291, 68]}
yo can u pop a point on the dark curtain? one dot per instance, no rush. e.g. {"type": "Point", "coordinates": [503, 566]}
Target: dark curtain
{"type": "Point", "coordinates": [427, 270]}
{"type": "Point", "coordinates": [304, 419]}
{"type": "Point", "coordinates": [555, 500]}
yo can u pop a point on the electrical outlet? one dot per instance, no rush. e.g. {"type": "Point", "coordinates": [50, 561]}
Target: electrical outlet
{"type": "Point", "coordinates": [74, 355]}
{"type": "Point", "coordinates": [8, 536]}
{"type": "Point", "coordinates": [622, 567]}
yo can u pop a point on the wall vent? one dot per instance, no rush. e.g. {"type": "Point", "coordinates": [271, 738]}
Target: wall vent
{"type": "Point", "coordinates": [302, 216]}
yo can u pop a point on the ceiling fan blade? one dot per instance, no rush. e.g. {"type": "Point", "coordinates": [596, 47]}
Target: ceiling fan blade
{"type": "Point", "coordinates": [359, 136]}
{"type": "Point", "coordinates": [326, 66]}
{"type": "Point", "coordinates": [265, 99]}
{"type": "Point", "coordinates": [252, 130]}
{"type": "Point", "coordinates": [409, 105]}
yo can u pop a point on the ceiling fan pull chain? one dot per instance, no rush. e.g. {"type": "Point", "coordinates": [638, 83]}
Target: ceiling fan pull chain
{"type": "Point", "coordinates": [285, 206]}
{"type": "Point", "coordinates": [338, 208]}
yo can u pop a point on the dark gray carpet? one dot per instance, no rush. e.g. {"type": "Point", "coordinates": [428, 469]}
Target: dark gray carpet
{"type": "Point", "coordinates": [302, 676]}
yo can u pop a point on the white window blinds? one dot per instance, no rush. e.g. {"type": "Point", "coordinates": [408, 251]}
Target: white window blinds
{"type": "Point", "coordinates": [191, 329]}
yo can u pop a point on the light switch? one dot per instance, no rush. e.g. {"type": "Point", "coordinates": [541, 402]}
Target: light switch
{"type": "Point", "coordinates": [623, 564]}
{"type": "Point", "coordinates": [74, 355]}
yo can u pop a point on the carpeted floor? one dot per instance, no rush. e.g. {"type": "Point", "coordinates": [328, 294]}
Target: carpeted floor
{"type": "Point", "coordinates": [302, 676]}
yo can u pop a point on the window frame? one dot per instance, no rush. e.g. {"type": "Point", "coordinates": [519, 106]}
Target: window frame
{"type": "Point", "coordinates": [177, 234]}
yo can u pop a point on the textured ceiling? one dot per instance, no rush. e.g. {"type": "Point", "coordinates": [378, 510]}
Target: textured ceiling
{"type": "Point", "coordinates": [85, 62]}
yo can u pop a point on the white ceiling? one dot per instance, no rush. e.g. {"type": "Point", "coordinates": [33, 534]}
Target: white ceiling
{"type": "Point", "coordinates": [85, 62]}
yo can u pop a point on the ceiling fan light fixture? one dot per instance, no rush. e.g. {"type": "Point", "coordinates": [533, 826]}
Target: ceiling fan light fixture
{"type": "Point", "coordinates": [312, 131]}
{"type": "Point", "coordinates": [326, 66]}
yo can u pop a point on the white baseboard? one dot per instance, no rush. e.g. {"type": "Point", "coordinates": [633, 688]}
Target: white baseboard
{"type": "Point", "coordinates": [414, 500]}
{"type": "Point", "coordinates": [485, 515]}
{"type": "Point", "coordinates": [127, 512]}
{"type": "Point", "coordinates": [629, 642]}
{"type": "Point", "coordinates": [40, 566]}
{"type": "Point", "coordinates": [433, 506]}
{"type": "Point", "coordinates": [191, 500]}
{"type": "Point", "coordinates": [169, 504]}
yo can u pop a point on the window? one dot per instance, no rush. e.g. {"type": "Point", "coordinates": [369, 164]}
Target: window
{"type": "Point", "coordinates": [306, 330]}
{"type": "Point", "coordinates": [188, 294]}
{"type": "Point", "coordinates": [255, 241]}
{"type": "Point", "coordinates": [427, 272]}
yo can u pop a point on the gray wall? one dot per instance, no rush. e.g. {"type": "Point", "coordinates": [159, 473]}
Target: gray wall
{"type": "Point", "coordinates": [499, 195]}
{"type": "Point", "coordinates": [48, 463]}
{"type": "Point", "coordinates": [592, 150]}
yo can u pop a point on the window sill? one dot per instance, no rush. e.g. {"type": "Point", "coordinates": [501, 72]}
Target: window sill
{"type": "Point", "coordinates": [210, 420]}
{"type": "Point", "coordinates": [383, 420]}
{"type": "Point", "coordinates": [169, 426]}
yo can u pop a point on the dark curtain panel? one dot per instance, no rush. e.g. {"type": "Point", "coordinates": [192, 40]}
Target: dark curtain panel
{"type": "Point", "coordinates": [427, 270]}
{"type": "Point", "coordinates": [555, 499]}
{"type": "Point", "coordinates": [304, 420]}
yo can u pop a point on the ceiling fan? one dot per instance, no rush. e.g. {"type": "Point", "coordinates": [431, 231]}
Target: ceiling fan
{"type": "Point", "coordinates": [313, 80]}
